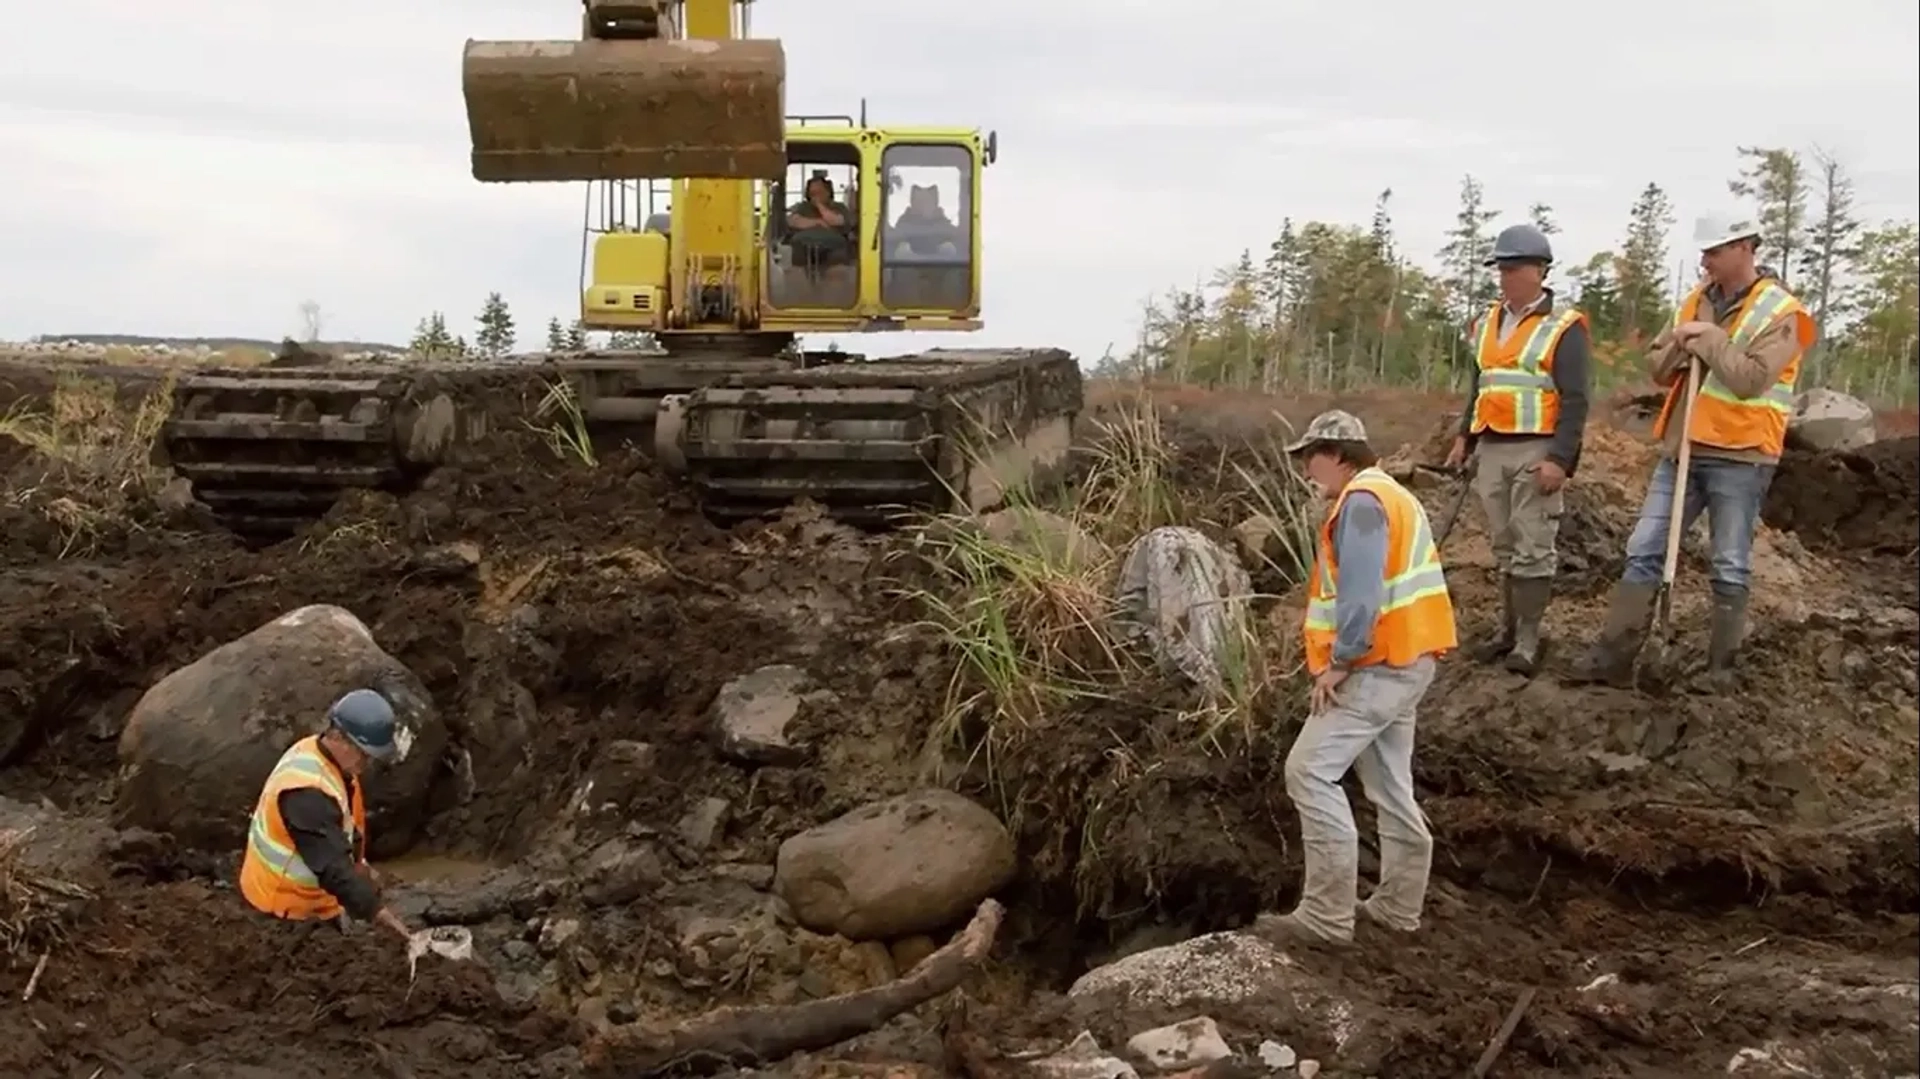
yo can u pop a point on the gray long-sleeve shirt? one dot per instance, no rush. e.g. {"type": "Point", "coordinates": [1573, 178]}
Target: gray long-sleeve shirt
{"type": "Point", "coordinates": [1572, 380]}
{"type": "Point", "coordinates": [1360, 576]}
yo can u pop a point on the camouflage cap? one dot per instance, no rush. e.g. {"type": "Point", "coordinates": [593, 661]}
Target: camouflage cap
{"type": "Point", "coordinates": [1332, 425]}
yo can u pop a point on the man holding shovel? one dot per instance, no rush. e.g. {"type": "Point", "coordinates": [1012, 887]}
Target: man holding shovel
{"type": "Point", "coordinates": [1526, 413]}
{"type": "Point", "coordinates": [1738, 338]}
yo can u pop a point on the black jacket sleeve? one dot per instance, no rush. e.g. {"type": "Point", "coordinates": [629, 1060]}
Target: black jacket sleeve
{"type": "Point", "coordinates": [313, 820]}
{"type": "Point", "coordinates": [1573, 380]}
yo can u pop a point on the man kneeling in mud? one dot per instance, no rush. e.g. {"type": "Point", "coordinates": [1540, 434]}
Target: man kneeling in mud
{"type": "Point", "coordinates": [1378, 614]}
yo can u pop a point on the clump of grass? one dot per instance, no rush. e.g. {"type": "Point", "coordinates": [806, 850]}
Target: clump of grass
{"type": "Point", "coordinates": [35, 908]}
{"type": "Point", "coordinates": [566, 426]}
{"type": "Point", "coordinates": [95, 454]}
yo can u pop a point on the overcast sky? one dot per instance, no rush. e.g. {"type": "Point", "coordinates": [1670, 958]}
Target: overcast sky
{"type": "Point", "coordinates": [201, 167]}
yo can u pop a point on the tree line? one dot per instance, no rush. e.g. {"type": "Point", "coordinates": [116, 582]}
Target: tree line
{"type": "Point", "coordinates": [495, 335]}
{"type": "Point", "coordinates": [1331, 305]}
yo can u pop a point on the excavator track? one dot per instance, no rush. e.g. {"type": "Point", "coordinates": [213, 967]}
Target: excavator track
{"type": "Point", "coordinates": [949, 429]}
{"type": "Point", "coordinates": [270, 450]}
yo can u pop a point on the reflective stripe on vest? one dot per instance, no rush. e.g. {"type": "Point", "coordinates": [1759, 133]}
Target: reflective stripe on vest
{"type": "Point", "coordinates": [1527, 385]}
{"type": "Point", "coordinates": [302, 766]}
{"type": "Point", "coordinates": [1769, 302]}
{"type": "Point", "coordinates": [1721, 418]}
{"type": "Point", "coordinates": [1414, 580]}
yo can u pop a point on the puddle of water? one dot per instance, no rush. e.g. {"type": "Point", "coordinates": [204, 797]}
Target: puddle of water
{"type": "Point", "coordinates": [435, 869]}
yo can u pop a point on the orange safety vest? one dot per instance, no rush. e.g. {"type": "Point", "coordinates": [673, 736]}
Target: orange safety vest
{"type": "Point", "coordinates": [1516, 395]}
{"type": "Point", "coordinates": [272, 875]}
{"type": "Point", "coordinates": [1722, 418]}
{"type": "Point", "coordinates": [1416, 614]}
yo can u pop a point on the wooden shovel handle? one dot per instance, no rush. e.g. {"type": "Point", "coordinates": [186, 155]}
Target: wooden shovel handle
{"type": "Point", "coordinates": [1677, 516]}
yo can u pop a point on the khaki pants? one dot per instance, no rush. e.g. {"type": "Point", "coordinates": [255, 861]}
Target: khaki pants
{"type": "Point", "coordinates": [1523, 523]}
{"type": "Point", "coordinates": [1369, 730]}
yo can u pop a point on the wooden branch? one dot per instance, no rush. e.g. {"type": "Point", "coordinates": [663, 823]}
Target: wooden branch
{"type": "Point", "coordinates": [1501, 1036]}
{"type": "Point", "coordinates": [744, 1037]}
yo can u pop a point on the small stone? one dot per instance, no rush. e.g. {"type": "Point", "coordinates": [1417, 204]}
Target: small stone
{"type": "Point", "coordinates": [703, 823]}
{"type": "Point", "coordinates": [1309, 1069]}
{"type": "Point", "coordinates": [758, 877]}
{"type": "Point", "coordinates": [622, 1012]}
{"type": "Point", "coordinates": [1276, 1056]}
{"type": "Point", "coordinates": [752, 714]}
{"type": "Point", "coordinates": [619, 873]}
{"type": "Point", "coordinates": [556, 933]}
{"type": "Point", "coordinates": [1082, 1058]}
{"type": "Point", "coordinates": [1182, 1045]}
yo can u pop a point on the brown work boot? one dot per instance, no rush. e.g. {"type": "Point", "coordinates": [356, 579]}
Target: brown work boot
{"type": "Point", "coordinates": [1728, 629]}
{"type": "Point", "coordinates": [1611, 658]}
{"type": "Point", "coordinates": [1494, 650]}
{"type": "Point", "coordinates": [1530, 598]}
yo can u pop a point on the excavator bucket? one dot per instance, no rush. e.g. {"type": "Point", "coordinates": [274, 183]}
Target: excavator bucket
{"type": "Point", "coordinates": [563, 111]}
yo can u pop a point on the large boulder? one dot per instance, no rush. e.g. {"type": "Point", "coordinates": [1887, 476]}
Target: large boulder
{"type": "Point", "coordinates": [201, 742]}
{"type": "Point", "coordinates": [1830, 420]}
{"type": "Point", "coordinates": [1187, 596]}
{"type": "Point", "coordinates": [910, 864]}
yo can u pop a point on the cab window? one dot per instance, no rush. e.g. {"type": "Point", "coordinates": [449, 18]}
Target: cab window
{"type": "Point", "coordinates": [813, 228]}
{"type": "Point", "coordinates": [926, 239]}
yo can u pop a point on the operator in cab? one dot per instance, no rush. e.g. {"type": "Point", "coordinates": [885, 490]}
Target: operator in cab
{"type": "Point", "coordinates": [1527, 400]}
{"type": "Point", "coordinates": [822, 227]}
{"type": "Point", "coordinates": [923, 228]}
{"type": "Point", "coordinates": [306, 855]}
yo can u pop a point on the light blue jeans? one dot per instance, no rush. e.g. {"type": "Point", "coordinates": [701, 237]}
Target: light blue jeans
{"type": "Point", "coordinates": [1369, 729]}
{"type": "Point", "coordinates": [1730, 492]}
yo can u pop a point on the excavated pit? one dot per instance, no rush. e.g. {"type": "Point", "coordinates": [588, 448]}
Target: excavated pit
{"type": "Point", "coordinates": [555, 612]}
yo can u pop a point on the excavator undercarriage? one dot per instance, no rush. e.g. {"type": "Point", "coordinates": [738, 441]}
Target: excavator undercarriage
{"type": "Point", "coordinates": [269, 450]}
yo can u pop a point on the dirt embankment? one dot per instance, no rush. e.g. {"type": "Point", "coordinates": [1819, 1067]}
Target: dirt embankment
{"type": "Point", "coordinates": [555, 610]}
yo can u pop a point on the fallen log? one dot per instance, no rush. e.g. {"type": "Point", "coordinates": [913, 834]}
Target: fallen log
{"type": "Point", "coordinates": [751, 1037]}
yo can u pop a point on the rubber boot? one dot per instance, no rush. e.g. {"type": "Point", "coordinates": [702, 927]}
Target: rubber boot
{"type": "Point", "coordinates": [1611, 658]}
{"type": "Point", "coordinates": [1729, 626]}
{"type": "Point", "coordinates": [1530, 598]}
{"type": "Point", "coordinates": [1494, 650]}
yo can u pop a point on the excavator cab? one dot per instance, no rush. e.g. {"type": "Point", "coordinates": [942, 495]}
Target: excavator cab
{"type": "Point", "coordinates": [639, 95]}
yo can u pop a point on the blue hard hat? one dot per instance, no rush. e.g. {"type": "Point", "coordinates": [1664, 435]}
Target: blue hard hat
{"type": "Point", "coordinates": [366, 719]}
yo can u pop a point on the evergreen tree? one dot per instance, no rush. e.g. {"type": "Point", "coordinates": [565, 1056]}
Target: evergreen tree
{"type": "Point", "coordinates": [1775, 181]}
{"type": "Point", "coordinates": [494, 336]}
{"type": "Point", "coordinates": [1641, 269]}
{"type": "Point", "coordinates": [1831, 243]}
{"type": "Point", "coordinates": [1471, 285]}
{"type": "Point", "coordinates": [556, 336]}
{"type": "Point", "coordinates": [1542, 217]}
{"type": "Point", "coordinates": [431, 341]}
{"type": "Point", "coordinates": [577, 336]}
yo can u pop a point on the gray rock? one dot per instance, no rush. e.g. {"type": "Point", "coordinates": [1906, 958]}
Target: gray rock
{"type": "Point", "coordinates": [1830, 420]}
{"type": "Point", "coordinates": [910, 864]}
{"type": "Point", "coordinates": [619, 872]}
{"type": "Point", "coordinates": [1187, 597]}
{"type": "Point", "coordinates": [200, 743]}
{"type": "Point", "coordinates": [1181, 1045]}
{"type": "Point", "coordinates": [703, 823]}
{"type": "Point", "coordinates": [752, 714]}
{"type": "Point", "coordinates": [616, 778]}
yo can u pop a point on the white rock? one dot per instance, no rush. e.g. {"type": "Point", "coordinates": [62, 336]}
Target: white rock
{"type": "Point", "coordinates": [1082, 1058]}
{"type": "Point", "coordinates": [1181, 1045]}
{"type": "Point", "coordinates": [1276, 1056]}
{"type": "Point", "coordinates": [1188, 596]}
{"type": "Point", "coordinates": [1309, 1069]}
{"type": "Point", "coordinates": [1830, 420]}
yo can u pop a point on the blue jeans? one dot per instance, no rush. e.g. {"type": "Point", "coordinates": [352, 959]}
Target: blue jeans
{"type": "Point", "coordinates": [1730, 492]}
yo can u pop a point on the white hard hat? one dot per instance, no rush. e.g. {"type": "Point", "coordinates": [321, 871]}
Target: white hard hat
{"type": "Point", "coordinates": [1720, 229]}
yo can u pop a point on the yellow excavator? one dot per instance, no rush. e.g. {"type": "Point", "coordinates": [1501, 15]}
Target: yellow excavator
{"type": "Point", "coordinates": [722, 228]}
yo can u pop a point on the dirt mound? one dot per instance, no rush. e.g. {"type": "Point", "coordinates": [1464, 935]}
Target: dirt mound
{"type": "Point", "coordinates": [158, 973]}
{"type": "Point", "coordinates": [1867, 500]}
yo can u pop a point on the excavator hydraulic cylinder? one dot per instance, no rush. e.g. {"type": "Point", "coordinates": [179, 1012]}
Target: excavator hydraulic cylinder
{"type": "Point", "coordinates": [564, 111]}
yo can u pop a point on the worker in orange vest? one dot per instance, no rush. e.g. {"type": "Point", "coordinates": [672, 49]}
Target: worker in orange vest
{"type": "Point", "coordinates": [1378, 615]}
{"type": "Point", "coordinates": [306, 850]}
{"type": "Point", "coordinates": [1525, 417]}
{"type": "Point", "coordinates": [1749, 334]}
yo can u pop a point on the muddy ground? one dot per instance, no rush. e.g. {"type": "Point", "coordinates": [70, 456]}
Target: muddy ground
{"type": "Point", "coordinates": [1680, 877]}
